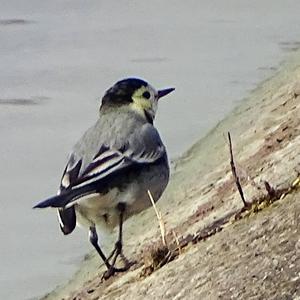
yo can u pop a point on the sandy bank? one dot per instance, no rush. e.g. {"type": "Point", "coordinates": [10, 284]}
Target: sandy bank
{"type": "Point", "coordinates": [257, 256]}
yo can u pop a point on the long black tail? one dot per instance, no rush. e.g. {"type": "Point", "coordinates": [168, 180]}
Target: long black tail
{"type": "Point", "coordinates": [66, 197]}
{"type": "Point", "coordinates": [56, 201]}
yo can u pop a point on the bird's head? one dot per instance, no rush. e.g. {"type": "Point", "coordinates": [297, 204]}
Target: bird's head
{"type": "Point", "coordinates": [135, 93]}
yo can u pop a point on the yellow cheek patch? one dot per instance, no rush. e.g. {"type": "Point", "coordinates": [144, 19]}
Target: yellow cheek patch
{"type": "Point", "coordinates": [139, 102]}
{"type": "Point", "coordinates": [138, 107]}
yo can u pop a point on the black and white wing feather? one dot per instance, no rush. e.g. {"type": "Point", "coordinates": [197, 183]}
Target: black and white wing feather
{"type": "Point", "coordinates": [142, 147]}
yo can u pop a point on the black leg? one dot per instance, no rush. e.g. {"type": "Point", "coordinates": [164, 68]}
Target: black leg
{"type": "Point", "coordinates": [118, 247]}
{"type": "Point", "coordinates": [94, 241]}
{"type": "Point", "coordinates": [119, 244]}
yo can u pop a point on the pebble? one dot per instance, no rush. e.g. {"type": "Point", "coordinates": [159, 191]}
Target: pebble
{"type": "Point", "coordinates": [297, 89]}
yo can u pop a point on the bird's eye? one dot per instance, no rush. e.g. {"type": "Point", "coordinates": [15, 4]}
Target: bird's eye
{"type": "Point", "coordinates": [146, 95]}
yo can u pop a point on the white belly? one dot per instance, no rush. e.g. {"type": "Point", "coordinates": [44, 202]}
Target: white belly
{"type": "Point", "coordinates": [101, 210]}
{"type": "Point", "coordinates": [96, 209]}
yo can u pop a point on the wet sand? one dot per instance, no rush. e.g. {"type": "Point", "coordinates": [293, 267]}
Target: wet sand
{"type": "Point", "coordinates": [59, 58]}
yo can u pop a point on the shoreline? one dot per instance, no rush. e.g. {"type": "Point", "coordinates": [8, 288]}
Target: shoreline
{"type": "Point", "coordinates": [201, 178]}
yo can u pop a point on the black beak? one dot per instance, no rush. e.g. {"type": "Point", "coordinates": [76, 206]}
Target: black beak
{"type": "Point", "coordinates": [162, 93]}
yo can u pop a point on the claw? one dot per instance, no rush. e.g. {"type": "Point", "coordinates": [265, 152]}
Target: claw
{"type": "Point", "coordinates": [112, 271]}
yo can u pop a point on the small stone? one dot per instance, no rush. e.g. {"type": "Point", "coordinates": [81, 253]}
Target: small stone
{"type": "Point", "coordinates": [275, 262]}
{"type": "Point", "coordinates": [295, 279]}
{"type": "Point", "coordinates": [297, 246]}
{"type": "Point", "coordinates": [297, 89]}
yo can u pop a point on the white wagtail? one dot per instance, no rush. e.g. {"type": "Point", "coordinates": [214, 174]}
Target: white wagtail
{"type": "Point", "coordinates": [113, 165]}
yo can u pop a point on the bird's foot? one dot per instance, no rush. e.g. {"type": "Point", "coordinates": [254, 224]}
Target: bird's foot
{"type": "Point", "coordinates": [112, 271]}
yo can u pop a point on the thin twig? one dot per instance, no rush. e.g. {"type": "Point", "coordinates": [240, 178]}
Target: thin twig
{"type": "Point", "coordinates": [233, 169]}
{"type": "Point", "coordinates": [160, 220]}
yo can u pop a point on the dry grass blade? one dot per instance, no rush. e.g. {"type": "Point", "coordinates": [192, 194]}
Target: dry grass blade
{"type": "Point", "coordinates": [177, 242]}
{"type": "Point", "coordinates": [160, 220]}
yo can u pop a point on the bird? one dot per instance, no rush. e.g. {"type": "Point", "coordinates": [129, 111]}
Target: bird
{"type": "Point", "coordinates": [113, 166]}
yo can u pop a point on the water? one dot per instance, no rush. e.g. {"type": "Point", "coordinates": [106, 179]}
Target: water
{"type": "Point", "coordinates": [58, 57]}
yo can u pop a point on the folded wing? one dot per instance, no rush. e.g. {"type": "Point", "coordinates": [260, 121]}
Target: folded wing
{"type": "Point", "coordinates": [142, 147]}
